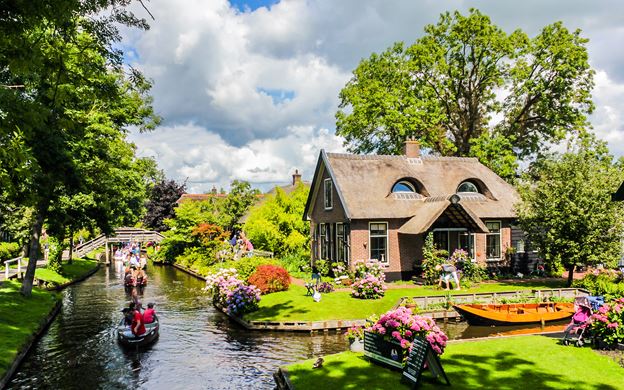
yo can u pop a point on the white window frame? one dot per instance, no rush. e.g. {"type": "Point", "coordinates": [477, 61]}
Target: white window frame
{"type": "Point", "coordinates": [331, 194]}
{"type": "Point", "coordinates": [387, 260]}
{"type": "Point", "coordinates": [500, 241]}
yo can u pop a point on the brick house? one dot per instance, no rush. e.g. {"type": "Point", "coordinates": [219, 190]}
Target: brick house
{"type": "Point", "coordinates": [382, 207]}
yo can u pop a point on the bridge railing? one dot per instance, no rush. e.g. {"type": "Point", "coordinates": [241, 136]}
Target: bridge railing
{"type": "Point", "coordinates": [19, 266]}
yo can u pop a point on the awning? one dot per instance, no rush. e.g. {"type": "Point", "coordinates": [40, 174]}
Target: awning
{"type": "Point", "coordinates": [459, 214]}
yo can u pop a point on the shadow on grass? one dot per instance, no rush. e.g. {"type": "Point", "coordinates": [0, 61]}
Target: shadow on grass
{"type": "Point", "coordinates": [266, 313]}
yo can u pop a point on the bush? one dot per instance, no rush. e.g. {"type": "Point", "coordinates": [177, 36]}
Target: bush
{"type": "Point", "coordinates": [371, 267]}
{"type": "Point", "coordinates": [245, 266]}
{"type": "Point", "coordinates": [609, 283]}
{"type": "Point", "coordinates": [325, 288]}
{"type": "Point", "coordinates": [293, 262]}
{"type": "Point", "coordinates": [472, 272]}
{"type": "Point", "coordinates": [608, 323]}
{"type": "Point", "coordinates": [8, 251]}
{"type": "Point", "coordinates": [369, 287]}
{"type": "Point", "coordinates": [270, 278]}
{"type": "Point", "coordinates": [231, 293]}
{"type": "Point", "coordinates": [322, 266]}
{"type": "Point", "coordinates": [431, 258]}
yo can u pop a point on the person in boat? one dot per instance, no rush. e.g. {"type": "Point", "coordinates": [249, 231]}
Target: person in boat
{"type": "Point", "coordinates": [128, 280]}
{"type": "Point", "coordinates": [149, 313]}
{"type": "Point", "coordinates": [128, 314]}
{"type": "Point", "coordinates": [137, 326]}
{"type": "Point", "coordinates": [135, 300]}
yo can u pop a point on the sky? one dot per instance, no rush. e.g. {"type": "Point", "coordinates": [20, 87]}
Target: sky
{"type": "Point", "coordinates": [248, 89]}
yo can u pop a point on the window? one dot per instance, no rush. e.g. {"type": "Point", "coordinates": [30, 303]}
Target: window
{"type": "Point", "coordinates": [342, 242]}
{"type": "Point", "coordinates": [466, 242]}
{"type": "Point", "coordinates": [450, 239]}
{"type": "Point", "coordinates": [467, 186]}
{"type": "Point", "coordinates": [329, 204]}
{"type": "Point", "coordinates": [440, 239]}
{"type": "Point", "coordinates": [323, 240]}
{"type": "Point", "coordinates": [378, 233]}
{"type": "Point", "coordinates": [403, 186]}
{"type": "Point", "coordinates": [493, 241]}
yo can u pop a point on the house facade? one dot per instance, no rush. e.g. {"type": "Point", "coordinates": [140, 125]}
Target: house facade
{"type": "Point", "coordinates": [380, 207]}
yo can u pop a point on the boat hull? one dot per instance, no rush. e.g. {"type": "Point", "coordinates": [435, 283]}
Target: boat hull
{"type": "Point", "coordinates": [514, 314]}
{"type": "Point", "coordinates": [128, 339]}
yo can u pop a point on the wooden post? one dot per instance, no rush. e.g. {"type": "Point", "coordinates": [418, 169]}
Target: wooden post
{"type": "Point", "coordinates": [107, 253]}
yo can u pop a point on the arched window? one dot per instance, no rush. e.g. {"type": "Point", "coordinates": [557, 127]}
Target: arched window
{"type": "Point", "coordinates": [467, 186]}
{"type": "Point", "coordinates": [403, 186]}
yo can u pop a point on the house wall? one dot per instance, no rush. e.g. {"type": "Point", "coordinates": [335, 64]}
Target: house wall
{"type": "Point", "coordinates": [318, 214]}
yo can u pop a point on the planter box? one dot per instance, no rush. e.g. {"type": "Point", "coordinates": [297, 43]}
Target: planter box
{"type": "Point", "coordinates": [382, 351]}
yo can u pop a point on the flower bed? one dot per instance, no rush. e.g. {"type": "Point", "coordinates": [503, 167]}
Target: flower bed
{"type": "Point", "coordinates": [608, 323]}
{"type": "Point", "coordinates": [369, 287]}
{"type": "Point", "coordinates": [231, 293]}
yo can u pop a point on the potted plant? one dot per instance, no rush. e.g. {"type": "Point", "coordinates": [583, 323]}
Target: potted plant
{"type": "Point", "coordinates": [355, 335]}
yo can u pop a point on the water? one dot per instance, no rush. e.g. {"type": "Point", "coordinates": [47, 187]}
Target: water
{"type": "Point", "coordinates": [198, 348]}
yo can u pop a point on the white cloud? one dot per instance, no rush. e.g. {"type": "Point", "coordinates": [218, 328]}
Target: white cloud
{"type": "Point", "coordinates": [245, 94]}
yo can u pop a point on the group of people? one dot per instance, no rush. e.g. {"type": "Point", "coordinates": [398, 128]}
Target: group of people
{"type": "Point", "coordinates": [134, 264]}
{"type": "Point", "coordinates": [240, 245]}
{"type": "Point", "coordinates": [135, 319]}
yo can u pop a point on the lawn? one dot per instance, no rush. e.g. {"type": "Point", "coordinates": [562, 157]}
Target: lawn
{"type": "Point", "coordinates": [528, 362]}
{"type": "Point", "coordinates": [294, 305]}
{"type": "Point", "coordinates": [69, 272]}
{"type": "Point", "coordinates": [20, 317]}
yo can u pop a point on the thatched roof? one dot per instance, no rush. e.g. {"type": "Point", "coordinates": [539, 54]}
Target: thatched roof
{"type": "Point", "coordinates": [364, 184]}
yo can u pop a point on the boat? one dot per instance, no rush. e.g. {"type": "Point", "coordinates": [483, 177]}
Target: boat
{"type": "Point", "coordinates": [515, 313]}
{"type": "Point", "coordinates": [128, 339]}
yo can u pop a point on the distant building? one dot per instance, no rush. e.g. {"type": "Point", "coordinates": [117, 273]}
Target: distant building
{"type": "Point", "coordinates": [381, 207]}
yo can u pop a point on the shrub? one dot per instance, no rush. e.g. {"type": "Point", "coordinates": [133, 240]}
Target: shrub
{"type": "Point", "coordinates": [8, 250]}
{"type": "Point", "coordinates": [322, 266]}
{"type": "Point", "coordinates": [371, 267]}
{"type": "Point", "coordinates": [606, 282]}
{"type": "Point", "coordinates": [369, 287]}
{"type": "Point", "coordinates": [325, 288]}
{"type": "Point", "coordinates": [608, 323]}
{"type": "Point", "coordinates": [340, 270]}
{"type": "Point", "coordinates": [270, 278]}
{"type": "Point", "coordinates": [245, 266]}
{"type": "Point", "coordinates": [471, 271]}
{"type": "Point", "coordinates": [403, 326]}
{"type": "Point", "coordinates": [431, 258]}
{"type": "Point", "coordinates": [231, 293]}
{"type": "Point", "coordinates": [293, 262]}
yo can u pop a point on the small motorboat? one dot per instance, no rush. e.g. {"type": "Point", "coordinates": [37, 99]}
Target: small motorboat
{"type": "Point", "coordinates": [515, 313]}
{"type": "Point", "coordinates": [127, 338]}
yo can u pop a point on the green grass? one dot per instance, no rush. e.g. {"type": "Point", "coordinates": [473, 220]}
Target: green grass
{"type": "Point", "coordinates": [20, 317]}
{"type": "Point", "coordinates": [294, 305]}
{"type": "Point", "coordinates": [529, 362]}
{"type": "Point", "coordinates": [69, 272]}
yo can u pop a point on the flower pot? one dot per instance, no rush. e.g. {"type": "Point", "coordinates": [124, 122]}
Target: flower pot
{"type": "Point", "coordinates": [357, 345]}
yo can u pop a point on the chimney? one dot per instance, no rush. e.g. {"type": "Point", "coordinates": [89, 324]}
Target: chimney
{"type": "Point", "coordinates": [296, 177]}
{"type": "Point", "coordinates": [412, 148]}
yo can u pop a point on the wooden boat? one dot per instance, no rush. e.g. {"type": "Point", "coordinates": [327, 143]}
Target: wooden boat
{"type": "Point", "coordinates": [128, 339]}
{"type": "Point", "coordinates": [515, 313]}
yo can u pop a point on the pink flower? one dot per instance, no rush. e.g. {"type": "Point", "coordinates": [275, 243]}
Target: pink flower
{"type": "Point", "coordinates": [613, 325]}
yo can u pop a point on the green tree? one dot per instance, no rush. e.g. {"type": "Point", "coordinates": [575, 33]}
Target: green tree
{"type": "Point", "coordinates": [161, 203]}
{"type": "Point", "coordinates": [447, 89]}
{"type": "Point", "coordinates": [567, 211]}
{"type": "Point", "coordinates": [237, 202]}
{"type": "Point", "coordinates": [73, 110]}
{"type": "Point", "coordinates": [276, 225]}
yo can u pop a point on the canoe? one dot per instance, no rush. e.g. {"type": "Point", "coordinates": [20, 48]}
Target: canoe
{"type": "Point", "coordinates": [128, 339]}
{"type": "Point", "coordinates": [515, 313]}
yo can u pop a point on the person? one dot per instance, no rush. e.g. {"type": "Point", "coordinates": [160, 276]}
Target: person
{"type": "Point", "coordinates": [135, 299]}
{"type": "Point", "coordinates": [128, 280]}
{"type": "Point", "coordinates": [149, 313]}
{"type": "Point", "coordinates": [448, 271]}
{"type": "Point", "coordinates": [137, 327]}
{"type": "Point", "coordinates": [127, 313]}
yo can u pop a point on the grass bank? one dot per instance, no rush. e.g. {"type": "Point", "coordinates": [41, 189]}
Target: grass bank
{"type": "Point", "coordinates": [76, 270]}
{"type": "Point", "coordinates": [294, 305]}
{"type": "Point", "coordinates": [20, 318]}
{"type": "Point", "coordinates": [529, 362]}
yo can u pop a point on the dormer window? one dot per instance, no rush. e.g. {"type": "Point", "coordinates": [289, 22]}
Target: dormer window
{"type": "Point", "coordinates": [468, 187]}
{"type": "Point", "coordinates": [404, 187]}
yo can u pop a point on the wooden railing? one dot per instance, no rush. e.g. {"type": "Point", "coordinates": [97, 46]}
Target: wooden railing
{"type": "Point", "coordinates": [19, 266]}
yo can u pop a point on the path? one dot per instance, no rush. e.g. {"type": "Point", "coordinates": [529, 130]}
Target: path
{"type": "Point", "coordinates": [13, 271]}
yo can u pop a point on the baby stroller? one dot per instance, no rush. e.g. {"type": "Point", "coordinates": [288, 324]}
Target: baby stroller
{"type": "Point", "coordinates": [577, 331]}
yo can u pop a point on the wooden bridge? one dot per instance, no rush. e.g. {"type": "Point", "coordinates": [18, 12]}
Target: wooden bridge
{"type": "Point", "coordinates": [16, 267]}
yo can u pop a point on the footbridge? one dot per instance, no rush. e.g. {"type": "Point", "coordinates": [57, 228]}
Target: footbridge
{"type": "Point", "coordinates": [120, 235]}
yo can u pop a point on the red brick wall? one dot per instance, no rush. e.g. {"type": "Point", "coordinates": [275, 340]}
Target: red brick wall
{"type": "Point", "coordinates": [318, 214]}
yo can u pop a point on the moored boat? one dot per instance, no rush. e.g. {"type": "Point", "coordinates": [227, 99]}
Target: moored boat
{"type": "Point", "coordinates": [127, 338]}
{"type": "Point", "coordinates": [515, 313]}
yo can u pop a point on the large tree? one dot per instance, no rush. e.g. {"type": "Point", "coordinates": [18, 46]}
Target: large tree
{"type": "Point", "coordinates": [567, 210]}
{"type": "Point", "coordinates": [467, 88]}
{"type": "Point", "coordinates": [71, 100]}
{"type": "Point", "coordinates": [161, 203]}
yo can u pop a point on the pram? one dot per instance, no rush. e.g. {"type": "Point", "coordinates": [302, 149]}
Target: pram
{"type": "Point", "coordinates": [577, 331]}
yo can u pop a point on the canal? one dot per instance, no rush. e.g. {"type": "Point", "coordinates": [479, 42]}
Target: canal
{"type": "Point", "coordinates": [198, 348]}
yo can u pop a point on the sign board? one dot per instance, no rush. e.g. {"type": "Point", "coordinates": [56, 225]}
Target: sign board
{"type": "Point", "coordinates": [422, 354]}
{"type": "Point", "coordinates": [383, 351]}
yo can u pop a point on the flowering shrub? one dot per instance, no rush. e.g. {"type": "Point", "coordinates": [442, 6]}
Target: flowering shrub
{"type": "Point", "coordinates": [325, 288]}
{"type": "Point", "coordinates": [371, 267]}
{"type": "Point", "coordinates": [369, 287]}
{"type": "Point", "coordinates": [340, 271]}
{"type": "Point", "coordinates": [270, 278]}
{"type": "Point", "coordinates": [403, 326]}
{"type": "Point", "coordinates": [608, 323]}
{"type": "Point", "coordinates": [432, 257]}
{"type": "Point", "coordinates": [459, 255]}
{"type": "Point", "coordinates": [355, 332]}
{"type": "Point", "coordinates": [231, 293]}
{"type": "Point", "coordinates": [606, 282]}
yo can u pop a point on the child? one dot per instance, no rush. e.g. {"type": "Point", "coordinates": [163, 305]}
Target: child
{"type": "Point", "coordinates": [149, 313]}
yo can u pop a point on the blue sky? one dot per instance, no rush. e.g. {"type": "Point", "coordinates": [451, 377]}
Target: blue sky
{"type": "Point", "coordinates": [248, 90]}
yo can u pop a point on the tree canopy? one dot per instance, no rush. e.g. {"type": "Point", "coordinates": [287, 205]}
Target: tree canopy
{"type": "Point", "coordinates": [567, 211]}
{"type": "Point", "coordinates": [467, 88]}
{"type": "Point", "coordinates": [161, 203]}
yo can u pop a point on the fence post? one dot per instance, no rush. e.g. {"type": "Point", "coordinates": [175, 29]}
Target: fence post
{"type": "Point", "coordinates": [6, 271]}
{"type": "Point", "coordinates": [19, 267]}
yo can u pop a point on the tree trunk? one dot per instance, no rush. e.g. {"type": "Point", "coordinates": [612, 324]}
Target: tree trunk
{"type": "Point", "coordinates": [571, 274]}
{"type": "Point", "coordinates": [71, 246]}
{"type": "Point", "coordinates": [33, 255]}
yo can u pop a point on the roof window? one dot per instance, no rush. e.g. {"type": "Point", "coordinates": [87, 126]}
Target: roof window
{"type": "Point", "coordinates": [403, 186]}
{"type": "Point", "coordinates": [467, 187]}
